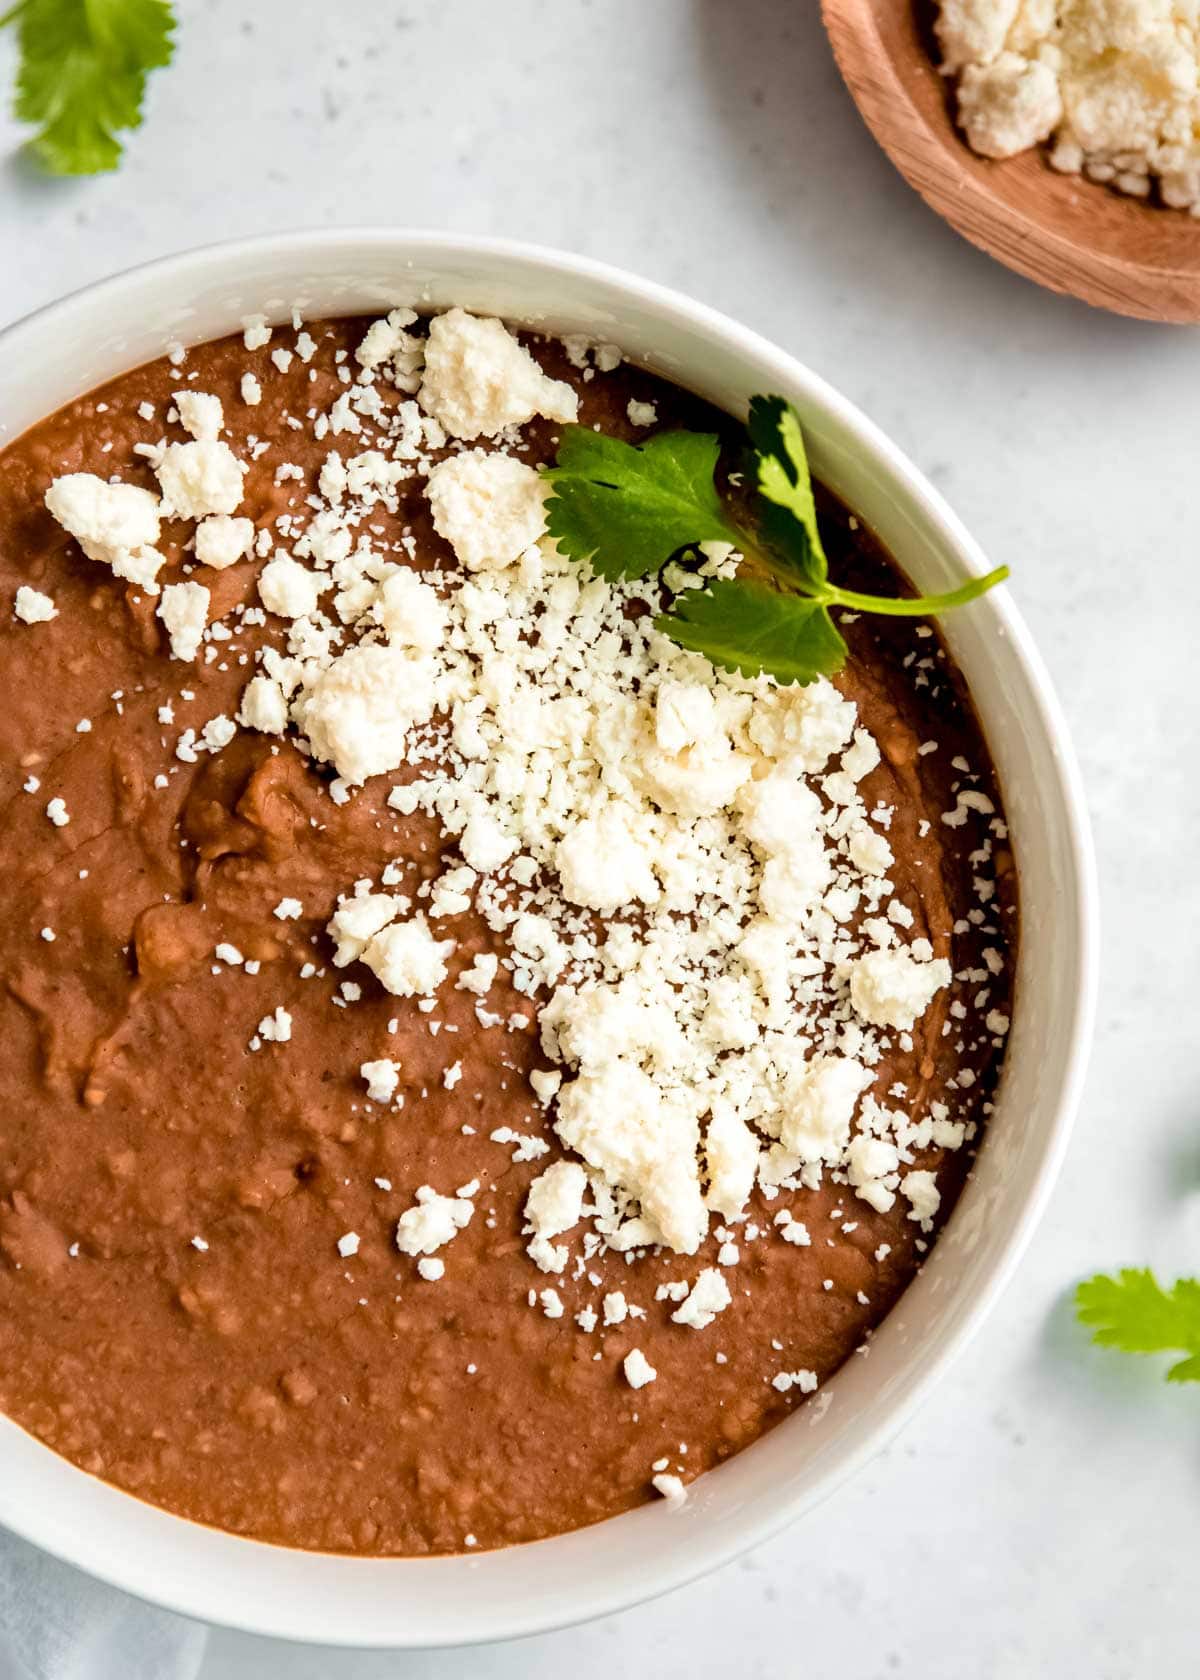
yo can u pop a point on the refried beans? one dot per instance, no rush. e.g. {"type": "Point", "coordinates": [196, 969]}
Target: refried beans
{"type": "Point", "coordinates": [201, 1295]}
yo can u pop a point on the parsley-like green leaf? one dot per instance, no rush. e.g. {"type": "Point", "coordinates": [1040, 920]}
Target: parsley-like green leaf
{"type": "Point", "coordinates": [82, 74]}
{"type": "Point", "coordinates": [749, 627]}
{"type": "Point", "coordinates": [780, 466]}
{"type": "Point", "coordinates": [1134, 1313]}
{"type": "Point", "coordinates": [627, 508]}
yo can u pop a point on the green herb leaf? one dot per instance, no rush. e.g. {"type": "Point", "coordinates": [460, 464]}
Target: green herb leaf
{"type": "Point", "coordinates": [82, 74]}
{"type": "Point", "coordinates": [1134, 1313]}
{"type": "Point", "coordinates": [789, 517]}
{"type": "Point", "coordinates": [628, 508]}
{"type": "Point", "coordinates": [749, 627]}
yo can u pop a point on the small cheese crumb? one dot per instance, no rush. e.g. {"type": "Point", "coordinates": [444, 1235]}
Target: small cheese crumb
{"type": "Point", "coordinates": [264, 706]}
{"type": "Point", "coordinates": [709, 1295]}
{"type": "Point", "coordinates": [116, 524]}
{"type": "Point", "coordinates": [257, 333]}
{"type": "Point", "coordinates": [200, 413]}
{"type": "Point", "coordinates": [479, 379]}
{"type": "Point", "coordinates": [348, 1244]}
{"type": "Point", "coordinates": [432, 1222]}
{"type": "Point", "coordinates": [489, 507]}
{"type": "Point", "coordinates": [276, 1028]}
{"type": "Point", "coordinates": [805, 1381]}
{"type": "Point", "coordinates": [222, 541]}
{"type": "Point", "coordinates": [382, 1077]}
{"type": "Point", "coordinates": [289, 589]}
{"type": "Point", "coordinates": [32, 607]}
{"type": "Point", "coordinates": [184, 612]}
{"type": "Point", "coordinates": [407, 960]}
{"type": "Point", "coordinates": [890, 989]}
{"type": "Point", "coordinates": [57, 811]}
{"type": "Point", "coordinates": [199, 478]}
{"type": "Point", "coordinates": [359, 711]}
{"type": "Point", "coordinates": [672, 1489]}
{"type": "Point", "coordinates": [638, 1369]}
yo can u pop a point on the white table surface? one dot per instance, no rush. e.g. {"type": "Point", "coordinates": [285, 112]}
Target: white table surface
{"type": "Point", "coordinates": [1039, 1517]}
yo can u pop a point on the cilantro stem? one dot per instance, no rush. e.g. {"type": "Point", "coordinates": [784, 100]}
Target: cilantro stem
{"type": "Point", "coordinates": [886, 606]}
{"type": "Point", "coordinates": [920, 606]}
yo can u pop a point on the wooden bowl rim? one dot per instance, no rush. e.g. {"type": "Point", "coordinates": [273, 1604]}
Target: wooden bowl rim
{"type": "Point", "coordinates": [960, 187]}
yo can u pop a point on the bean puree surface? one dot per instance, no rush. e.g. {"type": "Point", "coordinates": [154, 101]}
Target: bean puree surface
{"type": "Point", "coordinates": [175, 1315]}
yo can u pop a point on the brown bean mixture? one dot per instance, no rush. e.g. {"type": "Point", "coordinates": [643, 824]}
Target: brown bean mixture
{"type": "Point", "coordinates": [264, 1383]}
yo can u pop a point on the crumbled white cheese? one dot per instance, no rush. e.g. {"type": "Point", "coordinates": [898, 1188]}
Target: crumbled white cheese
{"type": "Point", "coordinates": [890, 989]}
{"type": "Point", "coordinates": [921, 1191]}
{"type": "Point", "coordinates": [410, 612]}
{"type": "Point", "coordinates": [116, 524]}
{"type": "Point", "coordinates": [348, 1244]}
{"type": "Point", "coordinates": [276, 1028]}
{"type": "Point", "coordinates": [355, 923]}
{"type": "Point", "coordinates": [199, 478]}
{"type": "Point", "coordinates": [222, 541]}
{"type": "Point", "coordinates": [805, 1381]}
{"type": "Point", "coordinates": [387, 342]}
{"type": "Point", "coordinates": [32, 607]}
{"type": "Point", "coordinates": [481, 975]}
{"type": "Point", "coordinates": [407, 960]}
{"type": "Point", "coordinates": [200, 413]}
{"type": "Point", "coordinates": [731, 1154]}
{"type": "Point", "coordinates": [671, 1487]}
{"type": "Point", "coordinates": [489, 507]}
{"type": "Point", "coordinates": [289, 589]}
{"type": "Point", "coordinates": [638, 1369]}
{"type": "Point", "coordinates": [183, 609]}
{"type": "Point", "coordinates": [382, 1077]}
{"type": "Point", "coordinates": [478, 379]}
{"type": "Point", "coordinates": [1115, 84]}
{"type": "Point", "coordinates": [554, 1205]}
{"type": "Point", "coordinates": [256, 332]}
{"type": "Point", "coordinates": [359, 710]}
{"type": "Point", "coordinates": [57, 811]}
{"type": "Point", "coordinates": [264, 706]}
{"type": "Point", "coordinates": [432, 1222]}
{"type": "Point", "coordinates": [709, 1295]}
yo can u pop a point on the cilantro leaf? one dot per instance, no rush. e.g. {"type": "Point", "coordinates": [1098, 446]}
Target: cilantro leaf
{"type": "Point", "coordinates": [780, 466]}
{"type": "Point", "coordinates": [750, 627]}
{"type": "Point", "coordinates": [82, 74]}
{"type": "Point", "coordinates": [1134, 1313]}
{"type": "Point", "coordinates": [627, 508]}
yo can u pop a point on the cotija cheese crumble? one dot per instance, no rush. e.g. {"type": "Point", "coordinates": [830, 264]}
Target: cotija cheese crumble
{"type": "Point", "coordinates": [1113, 86]}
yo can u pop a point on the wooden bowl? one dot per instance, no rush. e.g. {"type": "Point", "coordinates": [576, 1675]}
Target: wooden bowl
{"type": "Point", "coordinates": [1063, 231]}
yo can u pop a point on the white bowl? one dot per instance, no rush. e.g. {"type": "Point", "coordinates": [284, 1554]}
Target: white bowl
{"type": "Point", "coordinates": [68, 348]}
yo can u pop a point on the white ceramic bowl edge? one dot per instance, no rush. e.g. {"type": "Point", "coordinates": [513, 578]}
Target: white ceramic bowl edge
{"type": "Point", "coordinates": [73, 345]}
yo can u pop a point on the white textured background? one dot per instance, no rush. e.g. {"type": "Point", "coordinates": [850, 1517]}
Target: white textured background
{"type": "Point", "coordinates": [1040, 1516]}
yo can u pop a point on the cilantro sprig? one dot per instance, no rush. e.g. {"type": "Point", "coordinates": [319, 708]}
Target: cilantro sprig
{"type": "Point", "coordinates": [82, 74]}
{"type": "Point", "coordinates": [1134, 1313]}
{"type": "Point", "coordinates": [626, 509]}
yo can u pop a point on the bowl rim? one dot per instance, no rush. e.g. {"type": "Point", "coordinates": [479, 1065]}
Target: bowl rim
{"type": "Point", "coordinates": [192, 1596]}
